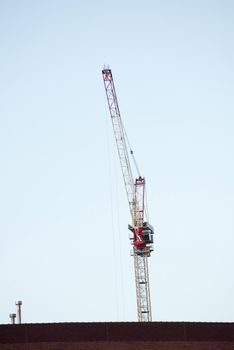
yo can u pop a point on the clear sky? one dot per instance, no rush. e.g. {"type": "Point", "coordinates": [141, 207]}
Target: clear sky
{"type": "Point", "coordinates": [64, 248]}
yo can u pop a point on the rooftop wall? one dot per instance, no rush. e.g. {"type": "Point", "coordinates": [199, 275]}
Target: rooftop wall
{"type": "Point", "coordinates": [118, 335]}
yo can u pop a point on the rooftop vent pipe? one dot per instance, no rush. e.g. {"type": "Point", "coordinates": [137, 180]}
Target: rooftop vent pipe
{"type": "Point", "coordinates": [18, 304]}
{"type": "Point", "coordinates": [12, 317]}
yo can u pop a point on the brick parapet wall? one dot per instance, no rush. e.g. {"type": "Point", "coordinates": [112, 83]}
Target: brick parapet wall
{"type": "Point", "coordinates": [118, 336]}
{"type": "Point", "coordinates": [106, 345]}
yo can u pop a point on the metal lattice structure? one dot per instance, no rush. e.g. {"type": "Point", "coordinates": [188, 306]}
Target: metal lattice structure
{"type": "Point", "coordinates": [142, 288]}
{"type": "Point", "coordinates": [142, 231]}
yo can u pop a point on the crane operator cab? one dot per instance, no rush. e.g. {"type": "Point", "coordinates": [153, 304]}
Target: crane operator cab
{"type": "Point", "coordinates": [147, 233]}
{"type": "Point", "coordinates": [144, 245]}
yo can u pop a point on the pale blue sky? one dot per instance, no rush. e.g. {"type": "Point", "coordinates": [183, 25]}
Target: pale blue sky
{"type": "Point", "coordinates": [64, 242]}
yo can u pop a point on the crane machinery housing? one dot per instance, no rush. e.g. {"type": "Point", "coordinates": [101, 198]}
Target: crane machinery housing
{"type": "Point", "coordinates": [141, 231]}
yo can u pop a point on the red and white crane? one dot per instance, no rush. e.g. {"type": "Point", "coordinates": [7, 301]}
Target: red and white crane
{"type": "Point", "coordinates": [142, 231]}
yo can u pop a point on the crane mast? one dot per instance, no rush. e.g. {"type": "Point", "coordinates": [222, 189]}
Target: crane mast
{"type": "Point", "coordinates": [142, 231]}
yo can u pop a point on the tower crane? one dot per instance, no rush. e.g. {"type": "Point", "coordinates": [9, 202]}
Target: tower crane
{"type": "Point", "coordinates": [141, 231]}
